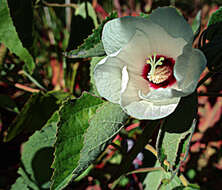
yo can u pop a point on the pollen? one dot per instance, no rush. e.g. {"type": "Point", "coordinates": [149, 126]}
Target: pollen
{"type": "Point", "coordinates": [160, 74]}
{"type": "Point", "coordinates": [157, 74]}
{"type": "Point", "coordinates": [158, 71]}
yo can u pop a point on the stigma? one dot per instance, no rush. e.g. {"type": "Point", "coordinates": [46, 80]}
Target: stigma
{"type": "Point", "coordinates": [156, 75]}
{"type": "Point", "coordinates": [158, 70]}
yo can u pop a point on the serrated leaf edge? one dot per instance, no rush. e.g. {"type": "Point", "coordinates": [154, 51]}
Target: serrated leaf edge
{"type": "Point", "coordinates": [68, 178]}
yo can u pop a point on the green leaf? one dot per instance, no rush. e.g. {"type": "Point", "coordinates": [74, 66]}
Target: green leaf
{"type": "Point", "coordinates": [196, 23]}
{"type": "Point", "coordinates": [154, 180]}
{"type": "Point", "coordinates": [9, 37]}
{"type": "Point", "coordinates": [92, 46]}
{"type": "Point", "coordinates": [144, 15]}
{"type": "Point", "coordinates": [35, 113]}
{"type": "Point", "coordinates": [28, 182]}
{"type": "Point", "coordinates": [86, 9]}
{"type": "Point", "coordinates": [216, 17]}
{"type": "Point", "coordinates": [176, 130]}
{"type": "Point", "coordinates": [37, 156]}
{"type": "Point", "coordinates": [96, 50]}
{"type": "Point", "coordinates": [93, 63]}
{"type": "Point", "coordinates": [19, 184]}
{"type": "Point", "coordinates": [20, 11]}
{"type": "Point", "coordinates": [86, 126]}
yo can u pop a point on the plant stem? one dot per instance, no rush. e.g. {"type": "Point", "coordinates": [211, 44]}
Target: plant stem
{"type": "Point", "coordinates": [143, 170]}
{"type": "Point", "coordinates": [72, 5]}
{"type": "Point", "coordinates": [32, 79]}
{"type": "Point", "coordinates": [73, 77]}
{"type": "Point", "coordinates": [3, 50]}
{"type": "Point", "coordinates": [183, 180]}
{"type": "Point", "coordinates": [128, 158]}
{"type": "Point", "coordinates": [153, 150]}
{"type": "Point", "coordinates": [207, 76]}
{"type": "Point", "coordinates": [26, 88]}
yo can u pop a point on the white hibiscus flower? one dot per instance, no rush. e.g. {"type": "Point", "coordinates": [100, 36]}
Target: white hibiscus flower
{"type": "Point", "coordinates": [150, 63]}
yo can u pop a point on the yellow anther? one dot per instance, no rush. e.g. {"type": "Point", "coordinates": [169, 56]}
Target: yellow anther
{"type": "Point", "coordinates": [148, 61]}
{"type": "Point", "coordinates": [153, 64]}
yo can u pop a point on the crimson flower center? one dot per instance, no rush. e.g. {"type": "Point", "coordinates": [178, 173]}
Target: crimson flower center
{"type": "Point", "coordinates": [158, 71]}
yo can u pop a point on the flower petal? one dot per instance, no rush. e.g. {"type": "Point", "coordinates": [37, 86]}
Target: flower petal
{"type": "Point", "coordinates": [133, 105]}
{"type": "Point", "coordinates": [118, 32]}
{"type": "Point", "coordinates": [135, 52]}
{"type": "Point", "coordinates": [108, 72]}
{"type": "Point", "coordinates": [161, 95]}
{"type": "Point", "coordinates": [147, 110]}
{"type": "Point", "coordinates": [108, 77]}
{"type": "Point", "coordinates": [172, 22]}
{"type": "Point", "coordinates": [188, 68]}
{"type": "Point", "coordinates": [144, 109]}
{"type": "Point", "coordinates": [135, 84]}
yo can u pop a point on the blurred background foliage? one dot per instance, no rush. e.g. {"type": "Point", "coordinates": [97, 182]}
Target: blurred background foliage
{"type": "Point", "coordinates": [47, 29]}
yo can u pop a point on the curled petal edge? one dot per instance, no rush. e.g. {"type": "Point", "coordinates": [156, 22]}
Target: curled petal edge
{"type": "Point", "coordinates": [147, 110]}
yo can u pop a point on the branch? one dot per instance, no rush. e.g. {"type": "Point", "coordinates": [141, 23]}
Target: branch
{"type": "Point", "coordinates": [207, 76]}
{"type": "Point", "coordinates": [72, 5]}
{"type": "Point", "coordinates": [139, 145]}
{"type": "Point", "coordinates": [145, 170]}
{"type": "Point", "coordinates": [26, 88]}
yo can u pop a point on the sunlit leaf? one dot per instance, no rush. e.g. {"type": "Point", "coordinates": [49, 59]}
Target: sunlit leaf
{"type": "Point", "coordinates": [37, 157]}
{"type": "Point", "coordinates": [176, 130]}
{"type": "Point", "coordinates": [87, 124]}
{"type": "Point", "coordinates": [216, 17]}
{"type": "Point", "coordinates": [9, 37]}
{"type": "Point", "coordinates": [19, 184]}
{"type": "Point", "coordinates": [86, 9]}
{"type": "Point", "coordinates": [160, 179]}
{"type": "Point", "coordinates": [19, 11]}
{"type": "Point", "coordinates": [93, 63]}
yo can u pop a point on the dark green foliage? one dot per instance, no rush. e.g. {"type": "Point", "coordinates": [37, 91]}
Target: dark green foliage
{"type": "Point", "coordinates": [20, 11]}
{"type": "Point", "coordinates": [92, 46]}
{"type": "Point", "coordinates": [216, 17]}
{"type": "Point", "coordinates": [37, 157]}
{"type": "Point", "coordinates": [37, 110]}
{"type": "Point", "coordinates": [176, 129]}
{"type": "Point", "coordinates": [10, 38]}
